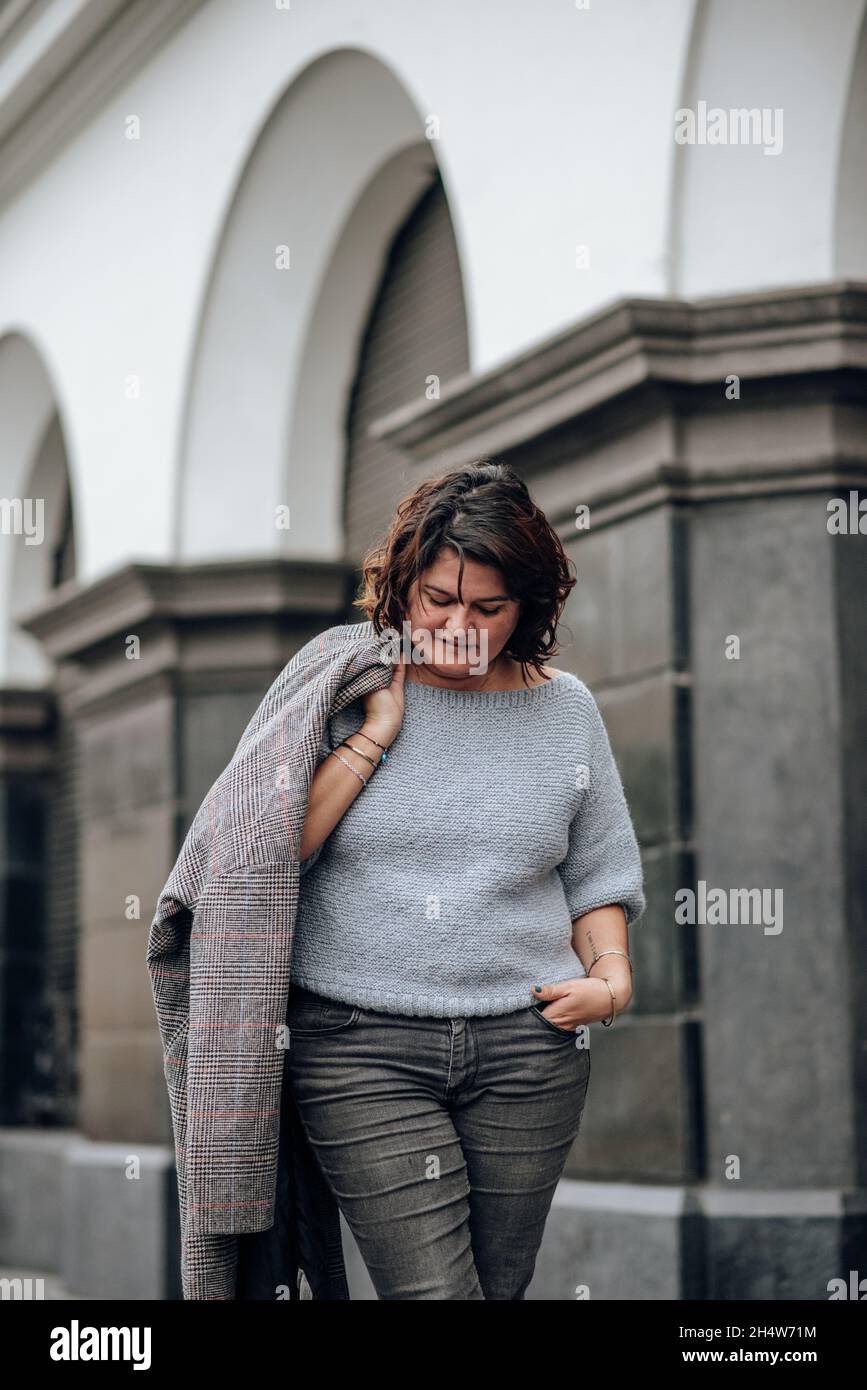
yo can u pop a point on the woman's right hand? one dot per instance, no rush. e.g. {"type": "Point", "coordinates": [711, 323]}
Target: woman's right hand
{"type": "Point", "coordinates": [383, 709]}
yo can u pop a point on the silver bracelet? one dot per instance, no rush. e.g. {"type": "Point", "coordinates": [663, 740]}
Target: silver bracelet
{"type": "Point", "coordinates": [362, 780]}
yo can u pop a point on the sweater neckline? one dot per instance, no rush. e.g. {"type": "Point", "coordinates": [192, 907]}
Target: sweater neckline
{"type": "Point", "coordinates": [441, 695]}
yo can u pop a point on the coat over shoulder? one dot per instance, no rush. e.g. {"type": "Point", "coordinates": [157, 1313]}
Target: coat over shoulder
{"type": "Point", "coordinates": [255, 1209]}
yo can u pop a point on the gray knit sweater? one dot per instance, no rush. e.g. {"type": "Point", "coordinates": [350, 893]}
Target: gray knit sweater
{"type": "Point", "coordinates": [450, 884]}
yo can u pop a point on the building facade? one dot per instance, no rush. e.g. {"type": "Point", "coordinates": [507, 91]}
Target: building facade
{"type": "Point", "coordinates": [263, 268]}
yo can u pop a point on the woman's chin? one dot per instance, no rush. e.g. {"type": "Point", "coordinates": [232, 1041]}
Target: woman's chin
{"type": "Point", "coordinates": [456, 670]}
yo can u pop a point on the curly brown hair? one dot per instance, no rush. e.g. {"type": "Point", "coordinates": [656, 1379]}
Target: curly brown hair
{"type": "Point", "coordinates": [484, 512]}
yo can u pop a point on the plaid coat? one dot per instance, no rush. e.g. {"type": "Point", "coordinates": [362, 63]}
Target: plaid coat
{"type": "Point", "coordinates": [254, 1206]}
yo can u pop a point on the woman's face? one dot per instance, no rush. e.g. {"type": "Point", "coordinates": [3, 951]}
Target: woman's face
{"type": "Point", "coordinates": [485, 617]}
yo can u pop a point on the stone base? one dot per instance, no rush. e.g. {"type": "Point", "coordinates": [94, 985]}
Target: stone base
{"type": "Point", "coordinates": [101, 1217]}
{"type": "Point", "coordinates": [625, 1241]}
{"type": "Point", "coordinates": [71, 1212]}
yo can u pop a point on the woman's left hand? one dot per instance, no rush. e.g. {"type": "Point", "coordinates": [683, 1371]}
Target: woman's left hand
{"type": "Point", "coordinates": [585, 1000]}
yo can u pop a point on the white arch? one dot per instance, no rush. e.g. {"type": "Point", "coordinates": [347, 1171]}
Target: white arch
{"type": "Point", "coordinates": [277, 348]}
{"type": "Point", "coordinates": [33, 471]}
{"type": "Point", "coordinates": [850, 202]}
{"type": "Point", "coordinates": [743, 219]}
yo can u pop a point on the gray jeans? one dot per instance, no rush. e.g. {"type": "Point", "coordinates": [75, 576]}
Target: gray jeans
{"type": "Point", "coordinates": [442, 1139]}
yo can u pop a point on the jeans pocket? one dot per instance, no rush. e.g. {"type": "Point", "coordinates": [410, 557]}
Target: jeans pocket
{"type": "Point", "coordinates": [308, 1017]}
{"type": "Point", "coordinates": [536, 1011]}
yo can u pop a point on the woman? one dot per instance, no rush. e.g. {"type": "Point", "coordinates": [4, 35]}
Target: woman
{"type": "Point", "coordinates": [488, 866]}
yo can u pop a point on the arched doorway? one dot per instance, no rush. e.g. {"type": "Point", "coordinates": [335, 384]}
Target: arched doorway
{"type": "Point", "coordinates": [38, 967]}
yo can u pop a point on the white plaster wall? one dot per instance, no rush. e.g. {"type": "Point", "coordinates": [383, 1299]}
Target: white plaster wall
{"type": "Point", "coordinates": [746, 220]}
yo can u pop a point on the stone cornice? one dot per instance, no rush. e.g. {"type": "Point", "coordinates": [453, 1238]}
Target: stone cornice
{"type": "Point", "coordinates": [655, 355]}
{"type": "Point", "coordinates": [59, 65]}
{"type": "Point", "coordinates": [76, 620]}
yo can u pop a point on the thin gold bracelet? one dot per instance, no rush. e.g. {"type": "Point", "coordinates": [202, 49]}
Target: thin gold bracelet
{"type": "Point", "coordinates": [607, 1022]}
{"type": "Point", "coordinates": [611, 952]}
{"type": "Point", "coordinates": [372, 739]}
{"type": "Point", "coordinates": [373, 764]}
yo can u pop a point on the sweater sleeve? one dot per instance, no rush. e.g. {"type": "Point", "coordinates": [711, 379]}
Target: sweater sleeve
{"type": "Point", "coordinates": [325, 748]}
{"type": "Point", "coordinates": [603, 862]}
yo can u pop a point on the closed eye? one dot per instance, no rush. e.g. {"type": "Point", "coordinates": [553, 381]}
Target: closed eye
{"type": "Point", "coordinates": [488, 612]}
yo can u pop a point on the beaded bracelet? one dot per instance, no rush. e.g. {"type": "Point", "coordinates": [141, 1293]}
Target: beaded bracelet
{"type": "Point", "coordinates": [362, 780]}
